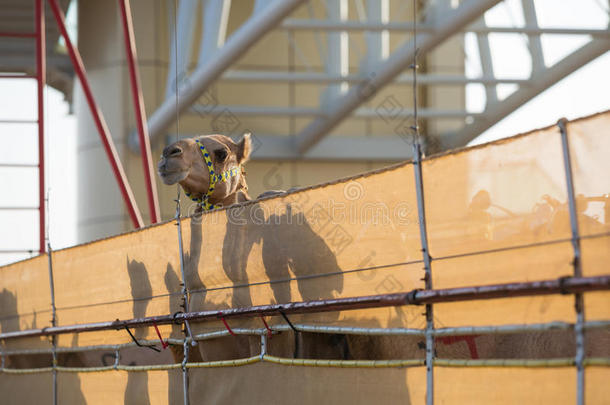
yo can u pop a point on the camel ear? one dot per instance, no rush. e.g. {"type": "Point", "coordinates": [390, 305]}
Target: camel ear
{"type": "Point", "coordinates": [244, 148]}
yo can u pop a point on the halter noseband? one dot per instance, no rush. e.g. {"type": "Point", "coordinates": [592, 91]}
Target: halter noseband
{"type": "Point", "coordinates": [214, 178]}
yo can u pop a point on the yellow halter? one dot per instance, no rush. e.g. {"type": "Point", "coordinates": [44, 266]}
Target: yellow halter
{"type": "Point", "coordinates": [214, 178]}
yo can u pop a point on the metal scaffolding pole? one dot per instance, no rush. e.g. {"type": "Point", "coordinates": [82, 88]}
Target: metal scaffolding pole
{"type": "Point", "coordinates": [246, 36]}
{"type": "Point", "coordinates": [386, 72]}
{"type": "Point", "coordinates": [577, 265]}
{"type": "Point", "coordinates": [540, 81]}
{"type": "Point", "coordinates": [562, 285]}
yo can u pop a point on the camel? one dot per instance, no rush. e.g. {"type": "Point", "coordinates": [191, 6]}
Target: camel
{"type": "Point", "coordinates": [208, 168]}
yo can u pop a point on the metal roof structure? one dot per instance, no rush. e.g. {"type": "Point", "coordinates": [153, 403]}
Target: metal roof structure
{"type": "Point", "coordinates": [348, 91]}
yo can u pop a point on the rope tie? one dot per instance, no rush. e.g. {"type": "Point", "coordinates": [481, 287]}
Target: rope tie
{"type": "Point", "coordinates": [164, 344]}
{"type": "Point", "coordinates": [288, 321]}
{"type": "Point", "coordinates": [222, 318]}
{"type": "Point", "coordinates": [138, 343]}
{"type": "Point", "coordinates": [269, 331]}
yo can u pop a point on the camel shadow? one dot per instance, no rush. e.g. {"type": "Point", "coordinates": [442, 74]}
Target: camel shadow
{"type": "Point", "coordinates": [136, 390]}
{"type": "Point", "coordinates": [291, 251]}
{"type": "Point", "coordinates": [36, 388]}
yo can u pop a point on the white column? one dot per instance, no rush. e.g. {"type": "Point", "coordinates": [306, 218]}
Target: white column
{"type": "Point", "coordinates": [377, 42]}
{"type": "Point", "coordinates": [215, 18]}
{"type": "Point", "coordinates": [487, 68]}
{"type": "Point", "coordinates": [338, 52]}
{"type": "Point", "coordinates": [184, 29]}
{"type": "Point", "coordinates": [535, 45]}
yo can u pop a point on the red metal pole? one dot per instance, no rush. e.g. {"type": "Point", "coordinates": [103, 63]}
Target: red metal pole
{"type": "Point", "coordinates": [98, 118]}
{"type": "Point", "coordinates": [41, 75]}
{"type": "Point", "coordinates": [4, 76]}
{"type": "Point", "coordinates": [18, 34]}
{"type": "Point", "coordinates": [138, 106]}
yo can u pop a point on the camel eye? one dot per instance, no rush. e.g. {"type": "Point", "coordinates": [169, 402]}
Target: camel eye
{"type": "Point", "coordinates": [221, 154]}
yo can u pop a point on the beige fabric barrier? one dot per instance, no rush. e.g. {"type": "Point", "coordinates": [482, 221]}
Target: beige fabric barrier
{"type": "Point", "coordinates": [496, 213]}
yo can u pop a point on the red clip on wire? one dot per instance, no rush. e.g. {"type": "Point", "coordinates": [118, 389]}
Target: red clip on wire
{"type": "Point", "coordinates": [163, 343]}
{"type": "Point", "coordinates": [222, 318]}
{"type": "Point", "coordinates": [269, 331]}
{"type": "Point", "coordinates": [469, 339]}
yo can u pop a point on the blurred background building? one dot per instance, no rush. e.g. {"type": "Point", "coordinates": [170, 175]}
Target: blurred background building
{"type": "Point", "coordinates": [325, 86]}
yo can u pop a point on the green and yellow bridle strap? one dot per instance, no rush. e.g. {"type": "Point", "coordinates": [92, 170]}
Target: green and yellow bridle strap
{"type": "Point", "coordinates": [214, 178]}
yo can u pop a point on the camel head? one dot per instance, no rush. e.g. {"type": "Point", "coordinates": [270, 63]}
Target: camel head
{"type": "Point", "coordinates": [184, 162]}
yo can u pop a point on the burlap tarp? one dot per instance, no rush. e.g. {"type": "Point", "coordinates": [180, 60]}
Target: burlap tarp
{"type": "Point", "coordinates": [496, 213]}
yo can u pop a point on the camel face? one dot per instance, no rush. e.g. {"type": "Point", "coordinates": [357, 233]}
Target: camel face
{"type": "Point", "coordinates": [176, 162]}
{"type": "Point", "coordinates": [182, 162]}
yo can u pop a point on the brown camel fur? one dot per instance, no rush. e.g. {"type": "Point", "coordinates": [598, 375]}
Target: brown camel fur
{"type": "Point", "coordinates": [183, 163]}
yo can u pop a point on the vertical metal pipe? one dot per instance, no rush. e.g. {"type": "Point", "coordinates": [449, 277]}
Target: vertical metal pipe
{"type": "Point", "coordinates": [188, 335]}
{"type": "Point", "coordinates": [263, 345]}
{"type": "Point", "coordinates": [53, 320]}
{"type": "Point", "coordinates": [117, 358]}
{"type": "Point", "coordinates": [54, 323]}
{"type": "Point", "coordinates": [41, 74]}
{"type": "Point", "coordinates": [185, 376]}
{"type": "Point", "coordinates": [577, 263]}
{"type": "Point", "coordinates": [139, 109]}
{"type": "Point", "coordinates": [184, 291]}
{"type": "Point", "coordinates": [423, 231]}
{"type": "Point", "coordinates": [53, 307]}
{"type": "Point", "coordinates": [98, 118]}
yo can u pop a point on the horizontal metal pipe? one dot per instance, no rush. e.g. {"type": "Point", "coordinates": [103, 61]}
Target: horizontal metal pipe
{"type": "Point", "coordinates": [564, 285]}
{"type": "Point", "coordinates": [322, 78]}
{"type": "Point", "coordinates": [18, 121]}
{"type": "Point", "coordinates": [4, 76]}
{"type": "Point", "coordinates": [5, 34]}
{"type": "Point", "coordinates": [329, 25]}
{"type": "Point", "coordinates": [18, 165]}
{"type": "Point", "coordinates": [466, 330]}
{"type": "Point", "coordinates": [363, 112]}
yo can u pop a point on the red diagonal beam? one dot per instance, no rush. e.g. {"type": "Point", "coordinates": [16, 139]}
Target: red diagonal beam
{"type": "Point", "coordinates": [138, 106]}
{"type": "Point", "coordinates": [98, 118]}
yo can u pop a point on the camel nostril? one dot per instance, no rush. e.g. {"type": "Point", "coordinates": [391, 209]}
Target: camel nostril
{"type": "Point", "coordinates": [172, 150]}
{"type": "Point", "coordinates": [175, 151]}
